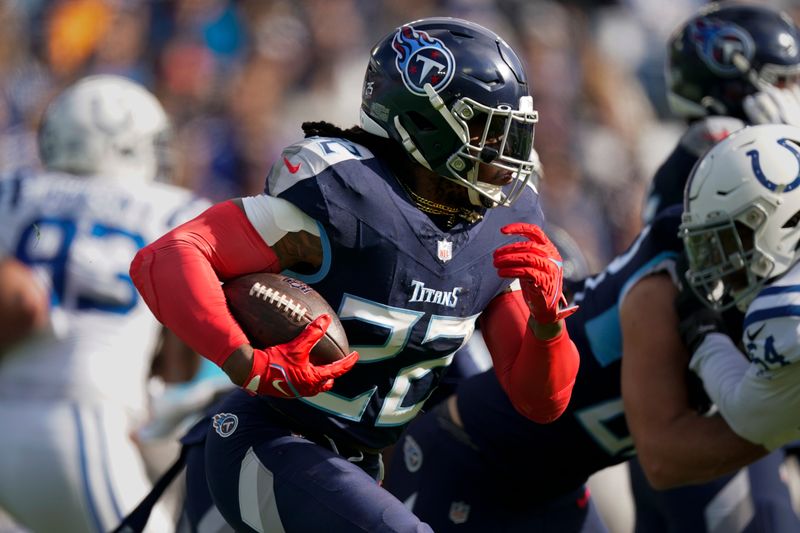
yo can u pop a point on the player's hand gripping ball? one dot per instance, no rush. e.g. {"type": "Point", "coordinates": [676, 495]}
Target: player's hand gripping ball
{"type": "Point", "coordinates": [300, 343]}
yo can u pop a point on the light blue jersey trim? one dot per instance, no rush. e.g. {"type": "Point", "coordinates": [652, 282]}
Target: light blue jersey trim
{"type": "Point", "coordinates": [320, 274]}
{"type": "Point", "coordinates": [604, 331]}
{"type": "Point", "coordinates": [779, 290]}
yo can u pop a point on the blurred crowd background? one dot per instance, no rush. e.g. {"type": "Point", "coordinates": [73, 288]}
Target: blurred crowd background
{"type": "Point", "coordinates": [239, 77]}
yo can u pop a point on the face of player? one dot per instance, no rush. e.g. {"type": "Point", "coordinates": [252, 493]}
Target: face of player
{"type": "Point", "coordinates": [721, 258]}
{"type": "Point", "coordinates": [488, 173]}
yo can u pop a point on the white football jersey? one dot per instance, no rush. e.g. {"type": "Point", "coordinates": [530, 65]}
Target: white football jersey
{"type": "Point", "coordinates": [771, 333]}
{"type": "Point", "coordinates": [771, 338]}
{"type": "Point", "coordinates": [79, 235]}
{"type": "Point", "coordinates": [759, 396]}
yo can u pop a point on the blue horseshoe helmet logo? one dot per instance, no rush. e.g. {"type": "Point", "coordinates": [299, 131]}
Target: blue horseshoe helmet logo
{"type": "Point", "coordinates": [762, 178]}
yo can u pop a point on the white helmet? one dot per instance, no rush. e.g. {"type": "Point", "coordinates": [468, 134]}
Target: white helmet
{"type": "Point", "coordinates": [107, 126]}
{"type": "Point", "coordinates": [741, 220]}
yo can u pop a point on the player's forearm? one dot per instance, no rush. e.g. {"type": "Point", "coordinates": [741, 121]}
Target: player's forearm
{"type": "Point", "coordinates": [185, 295]}
{"type": "Point", "coordinates": [762, 410]}
{"type": "Point", "coordinates": [19, 321]}
{"type": "Point", "coordinates": [24, 305]}
{"type": "Point", "coordinates": [239, 364]}
{"type": "Point", "coordinates": [537, 372]}
{"type": "Point", "coordinates": [690, 449]}
{"type": "Point", "coordinates": [544, 376]}
{"type": "Point", "coordinates": [179, 276]}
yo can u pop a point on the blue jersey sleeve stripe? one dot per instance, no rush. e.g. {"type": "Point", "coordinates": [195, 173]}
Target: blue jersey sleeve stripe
{"type": "Point", "coordinates": [772, 312]}
{"type": "Point", "coordinates": [10, 191]}
{"type": "Point", "coordinates": [779, 290]}
{"type": "Point", "coordinates": [605, 336]}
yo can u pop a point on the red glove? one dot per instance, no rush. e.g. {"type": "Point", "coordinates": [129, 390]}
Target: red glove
{"type": "Point", "coordinates": [285, 370]}
{"type": "Point", "coordinates": [539, 267]}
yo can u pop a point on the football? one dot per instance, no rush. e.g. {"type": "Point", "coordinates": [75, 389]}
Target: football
{"type": "Point", "coordinates": [273, 309]}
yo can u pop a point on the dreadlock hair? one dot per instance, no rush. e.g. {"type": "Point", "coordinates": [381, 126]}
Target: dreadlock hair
{"type": "Point", "coordinates": [385, 149]}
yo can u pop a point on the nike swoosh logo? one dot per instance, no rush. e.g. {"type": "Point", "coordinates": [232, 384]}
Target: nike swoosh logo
{"type": "Point", "coordinates": [750, 337]}
{"type": "Point", "coordinates": [277, 384]}
{"type": "Point", "coordinates": [292, 168]}
{"type": "Point", "coordinates": [252, 386]}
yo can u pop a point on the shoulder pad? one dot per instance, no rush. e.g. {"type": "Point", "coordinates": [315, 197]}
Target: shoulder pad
{"type": "Point", "coordinates": [667, 223]}
{"type": "Point", "coordinates": [274, 217]}
{"type": "Point", "coordinates": [309, 158]}
{"type": "Point", "coordinates": [705, 133]}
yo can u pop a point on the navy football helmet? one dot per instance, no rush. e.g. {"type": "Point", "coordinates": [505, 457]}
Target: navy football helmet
{"type": "Point", "coordinates": [455, 95]}
{"type": "Point", "coordinates": [727, 52]}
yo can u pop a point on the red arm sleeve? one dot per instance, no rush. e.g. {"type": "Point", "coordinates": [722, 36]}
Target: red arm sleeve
{"type": "Point", "coordinates": [179, 277]}
{"type": "Point", "coordinates": [537, 375]}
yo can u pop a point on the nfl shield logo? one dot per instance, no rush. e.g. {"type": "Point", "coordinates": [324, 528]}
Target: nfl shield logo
{"type": "Point", "coordinates": [444, 251]}
{"type": "Point", "coordinates": [459, 512]}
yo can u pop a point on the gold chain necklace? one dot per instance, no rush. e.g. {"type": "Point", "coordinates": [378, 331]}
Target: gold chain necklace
{"type": "Point", "coordinates": [435, 208]}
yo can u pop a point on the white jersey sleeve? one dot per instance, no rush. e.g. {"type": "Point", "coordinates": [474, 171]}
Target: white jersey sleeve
{"type": "Point", "coordinates": [274, 217]}
{"type": "Point", "coordinates": [759, 395]}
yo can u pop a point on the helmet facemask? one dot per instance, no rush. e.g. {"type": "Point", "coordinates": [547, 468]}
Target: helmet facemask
{"type": "Point", "coordinates": [780, 76]}
{"type": "Point", "coordinates": [726, 268]}
{"type": "Point", "coordinates": [501, 137]}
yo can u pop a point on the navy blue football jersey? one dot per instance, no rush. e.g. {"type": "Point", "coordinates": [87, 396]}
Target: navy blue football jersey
{"type": "Point", "coordinates": [667, 186]}
{"type": "Point", "coordinates": [407, 292]}
{"type": "Point", "coordinates": [592, 433]}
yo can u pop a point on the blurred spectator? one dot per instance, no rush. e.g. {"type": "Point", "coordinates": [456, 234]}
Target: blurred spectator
{"type": "Point", "coordinates": [238, 76]}
{"type": "Point", "coordinates": [74, 28]}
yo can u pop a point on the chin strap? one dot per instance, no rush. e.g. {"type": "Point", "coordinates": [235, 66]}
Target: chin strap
{"type": "Point", "coordinates": [409, 145]}
{"type": "Point", "coordinates": [438, 105]}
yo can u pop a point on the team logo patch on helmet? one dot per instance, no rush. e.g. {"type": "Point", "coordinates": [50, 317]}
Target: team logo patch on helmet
{"type": "Point", "coordinates": [719, 42]}
{"type": "Point", "coordinates": [225, 424]}
{"type": "Point", "coordinates": [422, 59]}
{"type": "Point", "coordinates": [762, 178]}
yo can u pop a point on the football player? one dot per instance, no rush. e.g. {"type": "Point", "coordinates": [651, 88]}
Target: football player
{"type": "Point", "coordinates": [74, 389]}
{"type": "Point", "coordinates": [741, 230]}
{"type": "Point", "coordinates": [729, 65]}
{"type": "Point", "coordinates": [411, 226]}
{"type": "Point", "coordinates": [475, 464]}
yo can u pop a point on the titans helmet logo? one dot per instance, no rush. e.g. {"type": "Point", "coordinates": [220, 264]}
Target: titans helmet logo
{"type": "Point", "coordinates": [718, 42]}
{"type": "Point", "coordinates": [762, 178]}
{"type": "Point", "coordinates": [422, 59]}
